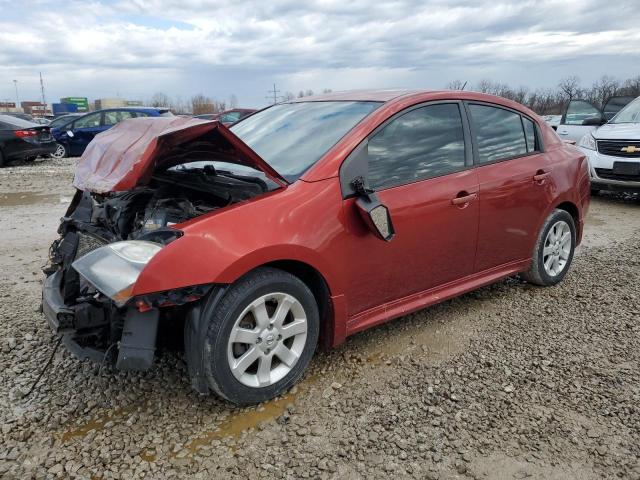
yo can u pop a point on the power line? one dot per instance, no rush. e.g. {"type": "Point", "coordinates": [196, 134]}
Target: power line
{"type": "Point", "coordinates": [273, 94]}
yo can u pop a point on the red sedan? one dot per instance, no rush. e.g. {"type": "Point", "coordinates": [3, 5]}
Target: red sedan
{"type": "Point", "coordinates": [303, 224]}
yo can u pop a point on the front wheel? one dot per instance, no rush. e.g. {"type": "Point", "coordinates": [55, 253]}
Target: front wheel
{"type": "Point", "coordinates": [554, 249]}
{"type": "Point", "coordinates": [261, 337]}
{"type": "Point", "coordinates": [60, 152]}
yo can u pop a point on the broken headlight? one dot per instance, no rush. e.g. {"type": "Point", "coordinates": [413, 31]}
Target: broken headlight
{"type": "Point", "coordinates": [114, 268]}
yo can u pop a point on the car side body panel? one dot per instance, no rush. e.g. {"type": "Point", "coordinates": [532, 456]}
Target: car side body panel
{"type": "Point", "coordinates": [310, 222]}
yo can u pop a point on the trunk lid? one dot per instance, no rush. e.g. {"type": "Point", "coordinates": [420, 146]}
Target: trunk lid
{"type": "Point", "coordinates": [126, 155]}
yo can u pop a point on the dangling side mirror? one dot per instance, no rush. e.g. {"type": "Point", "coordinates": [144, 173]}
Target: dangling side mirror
{"type": "Point", "coordinates": [375, 215]}
{"type": "Point", "coordinates": [70, 133]}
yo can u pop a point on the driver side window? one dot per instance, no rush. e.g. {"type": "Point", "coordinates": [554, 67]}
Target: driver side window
{"type": "Point", "coordinates": [423, 143]}
{"type": "Point", "coordinates": [92, 120]}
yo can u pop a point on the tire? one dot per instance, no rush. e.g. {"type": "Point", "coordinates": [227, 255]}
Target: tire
{"type": "Point", "coordinates": [595, 192]}
{"type": "Point", "coordinates": [61, 151]}
{"type": "Point", "coordinates": [234, 314]}
{"type": "Point", "coordinates": [552, 273]}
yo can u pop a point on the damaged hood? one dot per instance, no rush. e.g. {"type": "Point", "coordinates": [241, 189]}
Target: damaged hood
{"type": "Point", "coordinates": [126, 155]}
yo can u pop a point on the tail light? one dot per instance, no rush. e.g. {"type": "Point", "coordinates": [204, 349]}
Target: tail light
{"type": "Point", "coordinates": [26, 133]}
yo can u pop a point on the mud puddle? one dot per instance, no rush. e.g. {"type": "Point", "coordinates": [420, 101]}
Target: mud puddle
{"type": "Point", "coordinates": [14, 199]}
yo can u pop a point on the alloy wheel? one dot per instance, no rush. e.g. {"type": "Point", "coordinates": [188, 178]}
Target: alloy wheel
{"type": "Point", "coordinates": [267, 340]}
{"type": "Point", "coordinates": [557, 248]}
{"type": "Point", "coordinates": [60, 151]}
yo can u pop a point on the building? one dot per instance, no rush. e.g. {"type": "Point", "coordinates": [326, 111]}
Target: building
{"type": "Point", "coordinates": [134, 103]}
{"type": "Point", "coordinates": [36, 109]}
{"type": "Point", "coordinates": [110, 103]}
{"type": "Point", "coordinates": [9, 107]}
{"type": "Point", "coordinates": [81, 102]}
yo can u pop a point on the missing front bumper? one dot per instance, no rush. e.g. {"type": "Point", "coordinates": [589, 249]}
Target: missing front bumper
{"type": "Point", "coordinates": [88, 329]}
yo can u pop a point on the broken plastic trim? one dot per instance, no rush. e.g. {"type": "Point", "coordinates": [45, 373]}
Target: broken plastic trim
{"type": "Point", "coordinates": [171, 298]}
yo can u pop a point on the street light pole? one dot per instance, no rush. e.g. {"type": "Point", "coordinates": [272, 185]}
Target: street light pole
{"type": "Point", "coordinates": [15, 83]}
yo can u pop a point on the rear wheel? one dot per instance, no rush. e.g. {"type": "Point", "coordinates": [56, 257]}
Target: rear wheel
{"type": "Point", "coordinates": [261, 337]}
{"type": "Point", "coordinates": [60, 152]}
{"type": "Point", "coordinates": [554, 249]}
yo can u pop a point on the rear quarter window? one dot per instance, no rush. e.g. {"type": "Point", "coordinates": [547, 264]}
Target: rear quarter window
{"type": "Point", "coordinates": [499, 133]}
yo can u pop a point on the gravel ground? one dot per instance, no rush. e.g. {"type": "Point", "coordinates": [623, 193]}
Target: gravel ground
{"type": "Point", "coordinates": [509, 382]}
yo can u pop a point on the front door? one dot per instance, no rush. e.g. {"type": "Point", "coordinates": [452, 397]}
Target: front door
{"type": "Point", "coordinates": [419, 163]}
{"type": "Point", "coordinates": [514, 178]}
{"type": "Point", "coordinates": [84, 129]}
{"type": "Point", "coordinates": [572, 126]}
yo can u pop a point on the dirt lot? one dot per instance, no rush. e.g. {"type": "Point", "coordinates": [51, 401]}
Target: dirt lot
{"type": "Point", "coordinates": [512, 381]}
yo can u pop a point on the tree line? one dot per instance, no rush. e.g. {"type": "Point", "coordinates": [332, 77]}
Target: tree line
{"type": "Point", "coordinates": [552, 101]}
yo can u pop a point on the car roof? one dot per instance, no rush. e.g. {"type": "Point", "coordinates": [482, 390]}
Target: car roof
{"type": "Point", "coordinates": [365, 95]}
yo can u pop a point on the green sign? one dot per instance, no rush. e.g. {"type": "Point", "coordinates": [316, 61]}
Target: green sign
{"type": "Point", "coordinates": [81, 102]}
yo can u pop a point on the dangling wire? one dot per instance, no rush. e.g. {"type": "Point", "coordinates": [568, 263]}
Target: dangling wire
{"type": "Point", "coordinates": [105, 357]}
{"type": "Point", "coordinates": [55, 349]}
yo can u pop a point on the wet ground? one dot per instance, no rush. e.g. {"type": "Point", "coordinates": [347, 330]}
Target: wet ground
{"type": "Point", "coordinates": [511, 381]}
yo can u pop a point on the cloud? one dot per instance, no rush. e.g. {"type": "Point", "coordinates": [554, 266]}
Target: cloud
{"type": "Point", "coordinates": [137, 47]}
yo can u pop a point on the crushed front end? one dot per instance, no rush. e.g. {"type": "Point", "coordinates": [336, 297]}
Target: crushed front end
{"type": "Point", "coordinates": [136, 184]}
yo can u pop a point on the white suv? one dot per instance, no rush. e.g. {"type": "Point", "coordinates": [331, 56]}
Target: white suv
{"type": "Point", "coordinates": [613, 151]}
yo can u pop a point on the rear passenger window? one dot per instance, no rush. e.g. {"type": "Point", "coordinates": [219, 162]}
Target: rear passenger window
{"type": "Point", "coordinates": [423, 143]}
{"type": "Point", "coordinates": [499, 133]}
{"type": "Point", "coordinates": [530, 134]}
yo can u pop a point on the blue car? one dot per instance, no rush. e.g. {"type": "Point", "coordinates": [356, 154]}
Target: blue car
{"type": "Point", "coordinates": [73, 136]}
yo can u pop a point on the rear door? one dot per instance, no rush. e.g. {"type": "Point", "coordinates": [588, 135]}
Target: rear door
{"type": "Point", "coordinates": [572, 126]}
{"type": "Point", "coordinates": [418, 162]}
{"type": "Point", "coordinates": [513, 181]}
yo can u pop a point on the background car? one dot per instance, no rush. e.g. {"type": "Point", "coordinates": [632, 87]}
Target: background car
{"type": "Point", "coordinates": [73, 136]}
{"type": "Point", "coordinates": [22, 140]}
{"type": "Point", "coordinates": [613, 151]}
{"type": "Point", "coordinates": [582, 117]}
{"type": "Point", "coordinates": [228, 117]}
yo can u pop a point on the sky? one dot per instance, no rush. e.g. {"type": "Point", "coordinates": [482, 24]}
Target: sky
{"type": "Point", "coordinates": [136, 48]}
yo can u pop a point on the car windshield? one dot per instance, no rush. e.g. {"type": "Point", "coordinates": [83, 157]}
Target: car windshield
{"type": "Point", "coordinates": [629, 114]}
{"type": "Point", "coordinates": [291, 137]}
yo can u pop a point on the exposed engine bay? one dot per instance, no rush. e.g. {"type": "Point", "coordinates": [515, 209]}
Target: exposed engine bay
{"type": "Point", "coordinates": [174, 195]}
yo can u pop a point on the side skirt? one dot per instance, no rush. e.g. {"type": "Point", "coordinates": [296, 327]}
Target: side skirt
{"type": "Point", "coordinates": [417, 301]}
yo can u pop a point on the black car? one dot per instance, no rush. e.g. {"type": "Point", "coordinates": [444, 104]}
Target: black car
{"type": "Point", "coordinates": [22, 140]}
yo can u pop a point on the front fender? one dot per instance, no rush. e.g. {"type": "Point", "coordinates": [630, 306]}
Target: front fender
{"type": "Point", "coordinates": [302, 223]}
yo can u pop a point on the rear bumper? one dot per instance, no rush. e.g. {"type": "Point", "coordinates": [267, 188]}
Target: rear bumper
{"type": "Point", "coordinates": [31, 150]}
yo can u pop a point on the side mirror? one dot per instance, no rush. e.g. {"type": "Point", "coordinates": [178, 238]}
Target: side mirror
{"type": "Point", "coordinates": [375, 215]}
{"type": "Point", "coordinates": [70, 133]}
{"type": "Point", "coordinates": [594, 121]}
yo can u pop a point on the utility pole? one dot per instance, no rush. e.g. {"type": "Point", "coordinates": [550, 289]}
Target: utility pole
{"type": "Point", "coordinates": [15, 83]}
{"type": "Point", "coordinates": [44, 101]}
{"type": "Point", "coordinates": [275, 94]}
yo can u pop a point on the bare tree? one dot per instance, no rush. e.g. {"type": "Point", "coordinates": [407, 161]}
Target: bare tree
{"type": "Point", "coordinates": [233, 101]}
{"type": "Point", "coordinates": [300, 94]}
{"type": "Point", "coordinates": [288, 96]}
{"type": "Point", "coordinates": [160, 99]}
{"type": "Point", "coordinates": [201, 104]}
{"type": "Point", "coordinates": [327, 90]}
{"type": "Point", "coordinates": [603, 89]}
{"type": "Point", "coordinates": [570, 87]}
{"type": "Point", "coordinates": [456, 85]}
{"type": "Point", "coordinates": [308, 93]}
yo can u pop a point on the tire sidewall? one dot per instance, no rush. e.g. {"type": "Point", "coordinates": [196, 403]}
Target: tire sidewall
{"type": "Point", "coordinates": [219, 328]}
{"type": "Point", "coordinates": [556, 216]}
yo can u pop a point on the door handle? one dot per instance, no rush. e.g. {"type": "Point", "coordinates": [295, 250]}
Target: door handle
{"type": "Point", "coordinates": [463, 198]}
{"type": "Point", "coordinates": [541, 176]}
{"type": "Point", "coordinates": [563, 132]}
